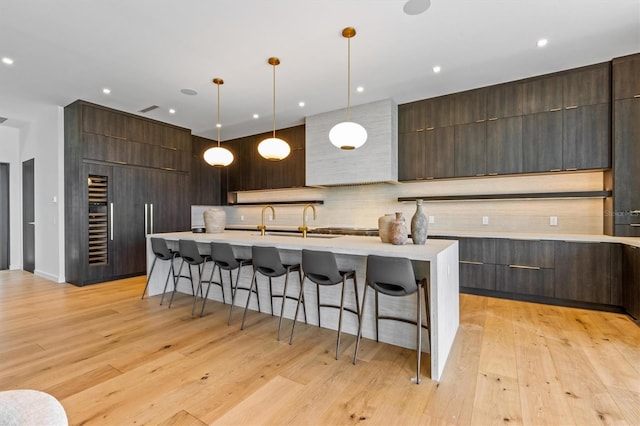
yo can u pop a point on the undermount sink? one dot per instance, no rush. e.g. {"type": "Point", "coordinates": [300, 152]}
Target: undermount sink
{"type": "Point", "coordinates": [294, 234]}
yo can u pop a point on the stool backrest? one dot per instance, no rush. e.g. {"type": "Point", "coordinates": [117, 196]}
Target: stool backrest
{"type": "Point", "coordinates": [222, 254]}
{"type": "Point", "coordinates": [391, 275]}
{"type": "Point", "coordinates": [267, 261]}
{"type": "Point", "coordinates": [321, 267]}
{"type": "Point", "coordinates": [160, 249]}
{"type": "Point", "coordinates": [189, 252]}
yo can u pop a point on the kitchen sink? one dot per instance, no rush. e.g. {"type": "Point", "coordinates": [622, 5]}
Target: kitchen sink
{"type": "Point", "coordinates": [295, 234]}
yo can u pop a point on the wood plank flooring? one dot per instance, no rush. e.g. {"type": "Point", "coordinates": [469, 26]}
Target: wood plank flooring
{"type": "Point", "coordinates": [114, 359]}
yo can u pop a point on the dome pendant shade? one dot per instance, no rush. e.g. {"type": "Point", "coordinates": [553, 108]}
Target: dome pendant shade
{"type": "Point", "coordinates": [348, 135]}
{"type": "Point", "coordinates": [274, 149]}
{"type": "Point", "coordinates": [218, 156]}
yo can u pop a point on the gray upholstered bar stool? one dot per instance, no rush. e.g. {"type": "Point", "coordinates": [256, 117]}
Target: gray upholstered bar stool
{"type": "Point", "coordinates": [321, 268]}
{"type": "Point", "coordinates": [267, 262]}
{"type": "Point", "coordinates": [190, 255]}
{"type": "Point", "coordinates": [161, 252]}
{"type": "Point", "coordinates": [224, 259]}
{"type": "Point", "coordinates": [394, 276]}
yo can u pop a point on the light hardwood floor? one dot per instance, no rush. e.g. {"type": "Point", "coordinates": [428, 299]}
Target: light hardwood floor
{"type": "Point", "coordinates": [114, 359]}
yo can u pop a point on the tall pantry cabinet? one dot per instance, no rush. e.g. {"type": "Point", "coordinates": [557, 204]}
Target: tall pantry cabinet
{"type": "Point", "coordinates": [125, 177]}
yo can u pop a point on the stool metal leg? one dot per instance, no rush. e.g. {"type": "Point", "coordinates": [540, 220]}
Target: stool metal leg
{"type": "Point", "coordinates": [253, 281]}
{"type": "Point", "coordinates": [297, 308]}
{"type": "Point", "coordinates": [153, 264]}
{"type": "Point", "coordinates": [419, 336]}
{"type": "Point", "coordinates": [234, 290]}
{"type": "Point", "coordinates": [344, 285]}
{"type": "Point", "coordinates": [359, 335]}
{"type": "Point", "coordinates": [172, 272]}
{"type": "Point", "coordinates": [175, 286]}
{"type": "Point", "coordinates": [284, 301]}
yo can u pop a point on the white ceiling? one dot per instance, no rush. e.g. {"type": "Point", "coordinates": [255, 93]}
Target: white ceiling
{"type": "Point", "coordinates": [146, 51]}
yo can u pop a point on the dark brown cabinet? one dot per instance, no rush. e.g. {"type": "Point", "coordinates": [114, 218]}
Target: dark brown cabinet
{"type": "Point", "coordinates": [624, 220]}
{"type": "Point", "coordinates": [205, 184]}
{"type": "Point", "coordinates": [504, 146]}
{"type": "Point", "coordinates": [586, 136]}
{"type": "Point", "coordinates": [542, 142]}
{"type": "Point", "coordinates": [470, 149]}
{"type": "Point", "coordinates": [583, 272]}
{"type": "Point", "coordinates": [143, 167]}
{"type": "Point", "coordinates": [631, 280]}
{"type": "Point", "coordinates": [543, 94]}
{"type": "Point", "coordinates": [525, 267]}
{"type": "Point", "coordinates": [426, 154]}
{"type": "Point", "coordinates": [505, 100]}
{"type": "Point", "coordinates": [477, 263]}
{"type": "Point", "coordinates": [252, 172]}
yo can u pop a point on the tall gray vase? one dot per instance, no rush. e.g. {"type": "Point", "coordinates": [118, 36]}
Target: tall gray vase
{"type": "Point", "coordinates": [419, 224]}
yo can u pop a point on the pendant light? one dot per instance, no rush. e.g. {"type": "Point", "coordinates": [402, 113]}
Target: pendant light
{"type": "Point", "coordinates": [218, 156]}
{"type": "Point", "coordinates": [274, 148]}
{"type": "Point", "coordinates": [348, 135]}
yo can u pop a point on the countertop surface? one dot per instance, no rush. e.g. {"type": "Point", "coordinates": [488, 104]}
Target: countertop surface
{"type": "Point", "coordinates": [633, 241]}
{"type": "Point", "coordinates": [339, 244]}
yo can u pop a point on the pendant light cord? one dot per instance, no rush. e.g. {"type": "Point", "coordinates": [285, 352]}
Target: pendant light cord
{"type": "Point", "coordinates": [274, 101]}
{"type": "Point", "coordinates": [218, 125]}
{"type": "Point", "coordinates": [348, 79]}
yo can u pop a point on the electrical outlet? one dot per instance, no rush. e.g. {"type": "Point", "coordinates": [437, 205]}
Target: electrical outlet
{"type": "Point", "coordinates": [553, 220]}
{"type": "Point", "coordinates": [485, 220]}
{"type": "Point", "coordinates": [270, 218]}
{"type": "Point", "coordinates": [432, 219]}
{"type": "Point", "coordinates": [241, 218]}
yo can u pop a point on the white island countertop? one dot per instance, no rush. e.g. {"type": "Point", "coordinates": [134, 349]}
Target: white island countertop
{"type": "Point", "coordinates": [437, 256]}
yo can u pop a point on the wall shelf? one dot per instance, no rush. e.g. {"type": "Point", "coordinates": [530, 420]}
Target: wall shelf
{"type": "Point", "coordinates": [518, 196]}
{"type": "Point", "coordinates": [279, 203]}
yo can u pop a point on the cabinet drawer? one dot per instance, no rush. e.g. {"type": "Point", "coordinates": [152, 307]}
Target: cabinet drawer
{"type": "Point", "coordinates": [529, 253]}
{"type": "Point", "coordinates": [480, 250]}
{"type": "Point", "coordinates": [477, 275]}
{"type": "Point", "coordinates": [523, 280]}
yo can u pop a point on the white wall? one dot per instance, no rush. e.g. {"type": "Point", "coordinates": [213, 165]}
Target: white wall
{"type": "Point", "coordinates": [10, 153]}
{"type": "Point", "coordinates": [360, 206]}
{"type": "Point", "coordinates": [42, 139]}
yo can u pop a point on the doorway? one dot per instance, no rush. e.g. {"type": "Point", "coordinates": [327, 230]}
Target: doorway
{"type": "Point", "coordinates": [4, 216]}
{"type": "Point", "coordinates": [28, 217]}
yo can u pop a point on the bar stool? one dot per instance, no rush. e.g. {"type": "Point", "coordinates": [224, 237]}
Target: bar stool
{"type": "Point", "coordinates": [190, 254]}
{"type": "Point", "coordinates": [162, 252]}
{"type": "Point", "coordinates": [394, 276]}
{"type": "Point", "coordinates": [223, 258]}
{"type": "Point", "coordinates": [321, 268]}
{"type": "Point", "coordinates": [266, 261]}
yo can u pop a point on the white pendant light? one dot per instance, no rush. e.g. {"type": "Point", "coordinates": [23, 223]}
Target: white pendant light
{"type": "Point", "coordinates": [218, 156]}
{"type": "Point", "coordinates": [274, 148]}
{"type": "Point", "coordinates": [348, 135]}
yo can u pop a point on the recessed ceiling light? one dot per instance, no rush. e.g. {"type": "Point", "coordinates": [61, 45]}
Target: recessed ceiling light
{"type": "Point", "coordinates": [189, 92]}
{"type": "Point", "coordinates": [256, 116]}
{"type": "Point", "coordinates": [359, 89]}
{"type": "Point", "coordinates": [106, 91]}
{"type": "Point", "coordinates": [7, 61]}
{"type": "Point", "coordinates": [300, 104]}
{"type": "Point", "coordinates": [172, 111]}
{"type": "Point", "coordinates": [437, 69]}
{"type": "Point", "coordinates": [542, 42]}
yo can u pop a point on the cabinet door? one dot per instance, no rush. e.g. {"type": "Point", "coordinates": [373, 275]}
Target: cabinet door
{"type": "Point", "coordinates": [478, 250]}
{"type": "Point", "coordinates": [470, 149]}
{"type": "Point", "coordinates": [626, 167]}
{"type": "Point", "coordinates": [583, 271]}
{"type": "Point", "coordinates": [626, 77]}
{"type": "Point", "coordinates": [587, 86]}
{"type": "Point", "coordinates": [412, 116]}
{"type": "Point", "coordinates": [411, 157]}
{"type": "Point", "coordinates": [438, 157]}
{"type": "Point", "coordinates": [167, 200]}
{"type": "Point", "coordinates": [586, 138]}
{"type": "Point", "coordinates": [205, 180]}
{"type": "Point", "coordinates": [504, 146]}
{"type": "Point", "coordinates": [237, 172]}
{"type": "Point", "coordinates": [526, 253]}
{"type": "Point", "coordinates": [103, 122]}
{"type": "Point", "coordinates": [543, 94]}
{"type": "Point", "coordinates": [477, 275]}
{"type": "Point", "coordinates": [524, 281]}
{"type": "Point", "coordinates": [129, 221]}
{"type": "Point", "coordinates": [470, 106]}
{"type": "Point", "coordinates": [505, 100]}
{"type": "Point", "coordinates": [631, 280]}
{"type": "Point", "coordinates": [542, 142]}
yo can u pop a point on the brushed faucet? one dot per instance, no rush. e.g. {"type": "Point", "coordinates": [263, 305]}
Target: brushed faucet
{"type": "Point", "coordinates": [304, 227]}
{"type": "Point", "coordinates": [262, 228]}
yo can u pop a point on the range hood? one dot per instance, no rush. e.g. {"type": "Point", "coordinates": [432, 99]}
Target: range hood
{"type": "Point", "coordinates": [376, 161]}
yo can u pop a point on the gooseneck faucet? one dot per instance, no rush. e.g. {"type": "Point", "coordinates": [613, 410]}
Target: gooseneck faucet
{"type": "Point", "coordinates": [262, 228]}
{"type": "Point", "coordinates": [304, 227]}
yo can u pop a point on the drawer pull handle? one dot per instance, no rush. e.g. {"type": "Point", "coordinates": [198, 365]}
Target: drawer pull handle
{"type": "Point", "coordinates": [493, 118]}
{"type": "Point", "coordinates": [420, 130]}
{"type": "Point", "coordinates": [430, 128]}
{"type": "Point", "coordinates": [470, 262]}
{"type": "Point", "coordinates": [571, 107]}
{"type": "Point", "coordinates": [536, 268]}
{"type": "Point", "coordinates": [634, 212]}
{"type": "Point", "coordinates": [482, 120]}
{"type": "Point", "coordinates": [634, 224]}
{"type": "Point", "coordinates": [637, 96]}
{"type": "Point", "coordinates": [555, 109]}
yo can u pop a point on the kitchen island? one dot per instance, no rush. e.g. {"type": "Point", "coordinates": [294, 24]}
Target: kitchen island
{"type": "Point", "coordinates": [437, 259]}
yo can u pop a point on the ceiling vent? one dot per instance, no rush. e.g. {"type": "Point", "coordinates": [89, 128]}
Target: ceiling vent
{"type": "Point", "coordinates": [149, 108]}
{"type": "Point", "coordinates": [3, 119]}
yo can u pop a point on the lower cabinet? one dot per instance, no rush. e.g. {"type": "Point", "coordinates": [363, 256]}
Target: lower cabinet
{"type": "Point", "coordinates": [525, 280]}
{"type": "Point", "coordinates": [583, 272]}
{"type": "Point", "coordinates": [631, 280]}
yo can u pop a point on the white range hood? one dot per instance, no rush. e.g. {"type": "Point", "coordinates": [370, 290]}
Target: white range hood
{"type": "Point", "coordinates": [376, 161]}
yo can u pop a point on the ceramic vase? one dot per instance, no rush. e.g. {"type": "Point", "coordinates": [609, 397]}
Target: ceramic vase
{"type": "Point", "coordinates": [214, 221]}
{"type": "Point", "coordinates": [419, 225]}
{"type": "Point", "coordinates": [398, 232]}
{"type": "Point", "coordinates": [384, 227]}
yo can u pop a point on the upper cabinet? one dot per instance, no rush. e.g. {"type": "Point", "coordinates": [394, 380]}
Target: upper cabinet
{"type": "Point", "coordinates": [626, 81]}
{"type": "Point", "coordinates": [555, 122]}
